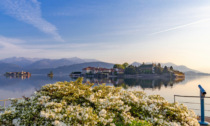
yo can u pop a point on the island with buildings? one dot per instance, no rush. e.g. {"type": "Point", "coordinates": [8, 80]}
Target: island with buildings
{"type": "Point", "coordinates": [22, 75]}
{"type": "Point", "coordinates": [130, 71]}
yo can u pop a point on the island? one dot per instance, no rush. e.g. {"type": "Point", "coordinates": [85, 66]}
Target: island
{"type": "Point", "coordinates": [149, 71]}
{"type": "Point", "coordinates": [22, 75]}
{"type": "Point", "coordinates": [50, 74]}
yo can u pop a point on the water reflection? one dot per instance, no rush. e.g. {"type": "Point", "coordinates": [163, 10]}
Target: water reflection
{"type": "Point", "coordinates": [132, 82]}
{"type": "Point", "coordinates": [16, 87]}
{"type": "Point", "coordinates": [36, 81]}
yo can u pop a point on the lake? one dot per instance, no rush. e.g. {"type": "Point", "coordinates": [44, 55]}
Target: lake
{"type": "Point", "coordinates": [17, 87]}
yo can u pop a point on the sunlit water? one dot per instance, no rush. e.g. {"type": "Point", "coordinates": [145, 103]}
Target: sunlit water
{"type": "Point", "coordinates": [16, 88]}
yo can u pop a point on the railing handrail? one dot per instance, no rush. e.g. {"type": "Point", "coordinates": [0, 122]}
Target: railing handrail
{"type": "Point", "coordinates": [190, 96]}
{"type": "Point", "coordinates": [187, 96]}
{"type": "Point", "coordinates": [193, 103]}
{"type": "Point", "coordinates": [190, 102]}
{"type": "Point", "coordinates": [8, 100]}
{"type": "Point", "coordinates": [5, 100]}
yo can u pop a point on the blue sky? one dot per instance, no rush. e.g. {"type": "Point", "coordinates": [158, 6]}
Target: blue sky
{"type": "Point", "coordinates": [114, 31]}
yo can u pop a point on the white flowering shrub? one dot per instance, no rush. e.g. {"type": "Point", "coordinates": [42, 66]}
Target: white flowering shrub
{"type": "Point", "coordinates": [77, 104]}
{"type": "Point", "coordinates": [1, 108]}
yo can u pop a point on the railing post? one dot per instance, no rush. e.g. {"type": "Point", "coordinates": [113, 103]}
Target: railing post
{"type": "Point", "coordinates": [202, 96]}
{"type": "Point", "coordinates": [4, 103]}
{"type": "Point", "coordinates": [174, 98]}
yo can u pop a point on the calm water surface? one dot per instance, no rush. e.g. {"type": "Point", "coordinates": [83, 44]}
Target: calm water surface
{"type": "Point", "coordinates": [16, 88]}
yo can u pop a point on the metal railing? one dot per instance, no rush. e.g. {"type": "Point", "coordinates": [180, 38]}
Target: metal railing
{"type": "Point", "coordinates": [5, 100]}
{"type": "Point", "coordinates": [191, 102]}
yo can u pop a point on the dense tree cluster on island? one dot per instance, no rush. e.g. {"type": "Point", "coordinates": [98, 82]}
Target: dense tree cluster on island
{"type": "Point", "coordinates": [146, 69]}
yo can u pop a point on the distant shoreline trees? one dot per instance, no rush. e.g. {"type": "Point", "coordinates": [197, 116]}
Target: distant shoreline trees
{"type": "Point", "coordinates": [147, 69]}
{"type": "Point", "coordinates": [121, 66]}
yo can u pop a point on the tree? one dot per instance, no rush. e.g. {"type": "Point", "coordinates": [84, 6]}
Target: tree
{"type": "Point", "coordinates": [50, 74]}
{"type": "Point", "coordinates": [159, 65]}
{"type": "Point", "coordinates": [158, 70]}
{"type": "Point", "coordinates": [125, 65]}
{"type": "Point", "coordinates": [165, 69]}
{"type": "Point", "coordinates": [119, 66]}
{"type": "Point", "coordinates": [171, 68]}
{"type": "Point", "coordinates": [130, 70]}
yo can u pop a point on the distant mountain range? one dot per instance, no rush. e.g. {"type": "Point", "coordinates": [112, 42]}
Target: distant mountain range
{"type": "Point", "coordinates": [68, 65]}
{"type": "Point", "coordinates": [71, 68]}
{"type": "Point", "coordinates": [28, 64]}
{"type": "Point", "coordinates": [186, 70]}
{"type": "Point", "coordinates": [20, 61]}
{"type": "Point", "coordinates": [37, 63]}
{"type": "Point", "coordinates": [179, 67]}
{"type": "Point", "coordinates": [54, 63]}
{"type": "Point", "coordinates": [5, 67]}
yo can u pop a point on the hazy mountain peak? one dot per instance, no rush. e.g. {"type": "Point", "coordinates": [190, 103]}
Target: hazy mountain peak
{"type": "Point", "coordinates": [182, 68]}
{"type": "Point", "coordinates": [136, 64]}
{"type": "Point", "coordinates": [53, 63]}
{"type": "Point", "coordinates": [14, 59]}
{"type": "Point", "coordinates": [20, 61]}
{"type": "Point", "coordinates": [38, 63]}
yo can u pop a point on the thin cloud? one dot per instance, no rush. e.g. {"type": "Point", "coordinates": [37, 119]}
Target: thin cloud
{"type": "Point", "coordinates": [11, 44]}
{"type": "Point", "coordinates": [181, 26]}
{"type": "Point", "coordinates": [10, 47]}
{"type": "Point", "coordinates": [29, 12]}
{"type": "Point", "coordinates": [72, 46]}
{"type": "Point", "coordinates": [7, 43]}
